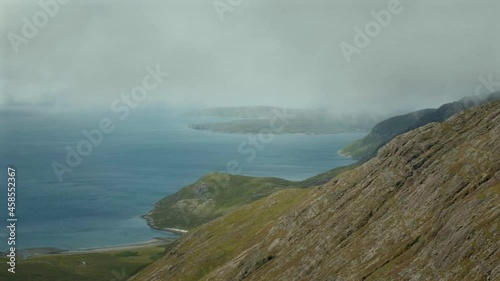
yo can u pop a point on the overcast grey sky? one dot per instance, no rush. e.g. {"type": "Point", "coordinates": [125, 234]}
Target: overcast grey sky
{"type": "Point", "coordinates": [264, 52]}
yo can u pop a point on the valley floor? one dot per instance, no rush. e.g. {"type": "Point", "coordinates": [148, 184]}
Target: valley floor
{"type": "Point", "coordinates": [113, 263]}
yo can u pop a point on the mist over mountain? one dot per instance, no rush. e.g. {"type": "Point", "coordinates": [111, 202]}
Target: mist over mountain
{"type": "Point", "coordinates": [388, 129]}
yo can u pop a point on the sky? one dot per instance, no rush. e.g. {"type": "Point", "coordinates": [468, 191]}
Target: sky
{"type": "Point", "coordinates": [86, 54]}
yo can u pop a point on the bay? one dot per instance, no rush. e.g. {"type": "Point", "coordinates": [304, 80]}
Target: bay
{"type": "Point", "coordinates": [149, 155]}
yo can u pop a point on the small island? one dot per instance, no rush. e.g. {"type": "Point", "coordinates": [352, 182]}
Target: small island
{"type": "Point", "coordinates": [254, 119]}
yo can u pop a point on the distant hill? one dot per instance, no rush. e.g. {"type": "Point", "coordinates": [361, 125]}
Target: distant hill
{"type": "Point", "coordinates": [252, 119]}
{"type": "Point", "coordinates": [425, 208]}
{"type": "Point", "coordinates": [235, 112]}
{"type": "Point", "coordinates": [386, 130]}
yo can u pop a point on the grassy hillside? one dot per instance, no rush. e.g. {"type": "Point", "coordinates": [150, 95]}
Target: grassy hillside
{"type": "Point", "coordinates": [364, 148]}
{"type": "Point", "coordinates": [216, 194]}
{"type": "Point", "coordinates": [105, 266]}
{"type": "Point", "coordinates": [325, 177]}
{"type": "Point", "coordinates": [231, 235]}
{"type": "Point", "coordinates": [210, 197]}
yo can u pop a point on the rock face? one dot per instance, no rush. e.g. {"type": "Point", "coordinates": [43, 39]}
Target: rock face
{"type": "Point", "coordinates": [425, 208]}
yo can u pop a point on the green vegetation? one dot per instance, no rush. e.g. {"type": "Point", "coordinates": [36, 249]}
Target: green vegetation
{"type": "Point", "coordinates": [235, 112]}
{"type": "Point", "coordinates": [128, 254]}
{"type": "Point", "coordinates": [296, 126]}
{"type": "Point", "coordinates": [386, 130]}
{"type": "Point", "coordinates": [216, 194]}
{"type": "Point", "coordinates": [325, 177]}
{"type": "Point", "coordinates": [426, 209]}
{"type": "Point", "coordinates": [364, 148]}
{"type": "Point", "coordinates": [251, 120]}
{"type": "Point", "coordinates": [211, 197]}
{"type": "Point", "coordinates": [381, 134]}
{"type": "Point", "coordinates": [224, 241]}
{"type": "Point", "coordinates": [103, 266]}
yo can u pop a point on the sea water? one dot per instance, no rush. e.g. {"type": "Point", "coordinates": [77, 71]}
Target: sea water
{"type": "Point", "coordinates": [149, 155]}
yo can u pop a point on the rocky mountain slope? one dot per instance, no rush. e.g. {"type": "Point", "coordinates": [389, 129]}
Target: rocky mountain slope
{"type": "Point", "coordinates": [386, 130]}
{"type": "Point", "coordinates": [425, 208]}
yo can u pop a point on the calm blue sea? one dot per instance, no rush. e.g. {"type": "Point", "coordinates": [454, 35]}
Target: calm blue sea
{"type": "Point", "coordinates": [151, 154]}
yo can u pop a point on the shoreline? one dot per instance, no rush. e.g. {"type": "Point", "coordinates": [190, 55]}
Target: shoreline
{"type": "Point", "coordinates": [281, 134]}
{"type": "Point", "coordinates": [151, 224]}
{"type": "Point", "coordinates": [48, 251]}
{"type": "Point", "coordinates": [153, 242]}
{"type": "Point", "coordinates": [345, 155]}
{"type": "Point", "coordinates": [156, 241]}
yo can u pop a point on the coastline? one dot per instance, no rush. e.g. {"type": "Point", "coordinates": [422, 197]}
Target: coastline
{"type": "Point", "coordinates": [40, 252]}
{"type": "Point", "coordinates": [176, 230]}
{"type": "Point", "coordinates": [340, 153]}
{"type": "Point", "coordinates": [151, 224]}
{"type": "Point", "coordinates": [156, 241]}
{"type": "Point", "coordinates": [239, 132]}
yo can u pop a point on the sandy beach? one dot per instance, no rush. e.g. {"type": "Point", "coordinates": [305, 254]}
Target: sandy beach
{"type": "Point", "coordinates": [27, 253]}
{"type": "Point", "coordinates": [153, 242]}
{"type": "Point", "coordinates": [157, 241]}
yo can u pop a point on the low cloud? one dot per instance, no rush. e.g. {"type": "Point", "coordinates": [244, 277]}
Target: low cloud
{"type": "Point", "coordinates": [282, 53]}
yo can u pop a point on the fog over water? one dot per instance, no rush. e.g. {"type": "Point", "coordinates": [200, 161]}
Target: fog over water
{"type": "Point", "coordinates": [150, 156]}
{"type": "Point", "coordinates": [263, 52]}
